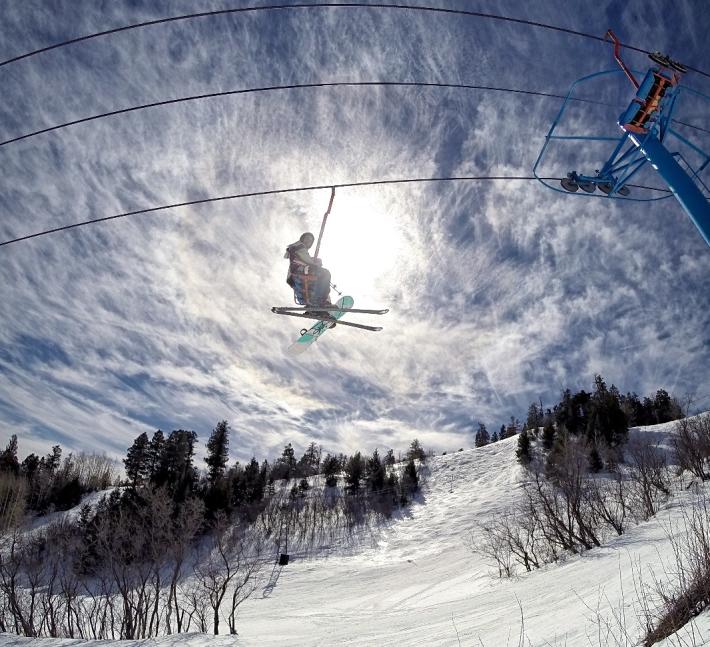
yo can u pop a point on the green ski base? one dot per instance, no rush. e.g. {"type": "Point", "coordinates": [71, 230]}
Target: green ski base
{"type": "Point", "coordinates": [317, 329]}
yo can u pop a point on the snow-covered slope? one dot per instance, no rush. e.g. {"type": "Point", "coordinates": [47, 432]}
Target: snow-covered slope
{"type": "Point", "coordinates": [421, 585]}
{"type": "Point", "coordinates": [418, 583]}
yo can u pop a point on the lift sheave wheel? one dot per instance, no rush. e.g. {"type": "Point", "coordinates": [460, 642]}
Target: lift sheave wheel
{"type": "Point", "coordinates": [568, 184]}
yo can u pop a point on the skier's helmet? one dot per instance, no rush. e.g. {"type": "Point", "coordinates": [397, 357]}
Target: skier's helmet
{"type": "Point", "coordinates": [308, 239]}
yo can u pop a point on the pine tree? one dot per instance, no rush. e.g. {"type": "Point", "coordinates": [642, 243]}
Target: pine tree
{"type": "Point", "coordinates": [85, 516]}
{"type": "Point", "coordinates": [236, 477]}
{"type": "Point", "coordinates": [606, 421]}
{"type": "Point", "coordinates": [285, 467]}
{"type": "Point", "coordinates": [66, 494]}
{"type": "Point", "coordinates": [309, 463]}
{"type": "Point", "coordinates": [665, 408]}
{"type": "Point", "coordinates": [389, 458]}
{"type": "Point", "coordinates": [137, 460]}
{"type": "Point", "coordinates": [50, 463]}
{"type": "Point", "coordinates": [375, 474]}
{"type": "Point", "coordinates": [502, 434]}
{"type": "Point", "coordinates": [410, 478]}
{"type": "Point", "coordinates": [523, 450]}
{"type": "Point", "coordinates": [392, 484]}
{"type": "Point", "coordinates": [248, 483]}
{"type": "Point", "coordinates": [595, 460]}
{"type": "Point", "coordinates": [217, 452]}
{"type": "Point", "coordinates": [264, 478]}
{"type": "Point", "coordinates": [416, 451]}
{"type": "Point", "coordinates": [253, 482]}
{"type": "Point", "coordinates": [155, 456]}
{"type": "Point", "coordinates": [289, 456]}
{"type": "Point", "coordinates": [176, 463]}
{"type": "Point", "coordinates": [548, 435]}
{"type": "Point", "coordinates": [354, 472]}
{"type": "Point", "coordinates": [8, 458]}
{"type": "Point", "coordinates": [482, 436]}
{"type": "Point", "coordinates": [494, 437]}
{"type": "Point", "coordinates": [535, 416]}
{"type": "Point", "coordinates": [572, 412]}
{"type": "Point", "coordinates": [513, 427]}
{"type": "Point", "coordinates": [30, 466]}
{"type": "Point", "coordinates": [556, 454]}
{"type": "Point", "coordinates": [331, 469]}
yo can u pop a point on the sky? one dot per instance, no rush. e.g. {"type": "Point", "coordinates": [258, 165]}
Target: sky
{"type": "Point", "coordinates": [500, 293]}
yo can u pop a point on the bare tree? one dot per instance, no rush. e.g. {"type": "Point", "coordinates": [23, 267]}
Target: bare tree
{"type": "Point", "coordinates": [685, 592]}
{"type": "Point", "coordinates": [489, 540]}
{"type": "Point", "coordinates": [184, 530]}
{"type": "Point", "coordinates": [248, 566]}
{"type": "Point", "coordinates": [227, 564]}
{"type": "Point", "coordinates": [691, 442]}
{"type": "Point", "coordinates": [649, 472]}
{"type": "Point", "coordinates": [94, 471]}
{"type": "Point", "coordinates": [121, 542]}
{"type": "Point", "coordinates": [512, 537]}
{"type": "Point", "coordinates": [609, 501]}
{"type": "Point", "coordinates": [20, 567]}
{"type": "Point", "coordinates": [13, 493]}
{"type": "Point", "coordinates": [193, 594]}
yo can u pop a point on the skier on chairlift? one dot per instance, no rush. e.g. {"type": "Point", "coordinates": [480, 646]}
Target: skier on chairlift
{"type": "Point", "coordinates": [306, 275]}
{"type": "Point", "coordinates": [311, 285]}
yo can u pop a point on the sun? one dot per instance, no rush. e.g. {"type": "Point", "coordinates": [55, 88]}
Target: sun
{"type": "Point", "coordinates": [362, 243]}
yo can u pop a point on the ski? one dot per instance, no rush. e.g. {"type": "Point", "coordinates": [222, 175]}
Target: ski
{"type": "Point", "coordinates": [320, 327]}
{"type": "Point", "coordinates": [285, 309]}
{"type": "Point", "coordinates": [329, 321]}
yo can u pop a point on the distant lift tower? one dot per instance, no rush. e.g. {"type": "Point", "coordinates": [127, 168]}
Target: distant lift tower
{"type": "Point", "coordinates": [646, 125]}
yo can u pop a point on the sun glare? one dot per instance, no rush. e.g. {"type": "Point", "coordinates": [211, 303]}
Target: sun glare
{"type": "Point", "coordinates": [362, 243]}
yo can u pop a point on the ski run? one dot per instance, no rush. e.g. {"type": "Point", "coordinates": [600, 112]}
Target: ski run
{"type": "Point", "coordinates": [416, 582]}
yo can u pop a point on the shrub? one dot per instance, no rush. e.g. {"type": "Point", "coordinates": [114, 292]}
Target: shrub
{"type": "Point", "coordinates": [691, 442]}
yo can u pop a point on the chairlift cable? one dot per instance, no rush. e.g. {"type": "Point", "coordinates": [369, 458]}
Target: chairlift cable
{"type": "Point", "coordinates": [188, 203]}
{"type": "Point", "coordinates": [325, 5]}
{"type": "Point", "coordinates": [294, 86]}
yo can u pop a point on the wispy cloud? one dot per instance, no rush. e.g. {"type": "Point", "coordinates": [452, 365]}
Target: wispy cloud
{"type": "Point", "coordinates": [500, 294]}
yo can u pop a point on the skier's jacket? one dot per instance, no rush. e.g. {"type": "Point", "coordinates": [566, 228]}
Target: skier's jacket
{"type": "Point", "coordinates": [300, 261]}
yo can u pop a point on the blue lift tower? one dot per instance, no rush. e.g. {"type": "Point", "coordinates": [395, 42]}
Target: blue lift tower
{"type": "Point", "coordinates": [646, 126]}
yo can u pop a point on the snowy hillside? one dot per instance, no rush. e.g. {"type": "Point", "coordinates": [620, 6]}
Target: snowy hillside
{"type": "Point", "coordinates": [418, 583]}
